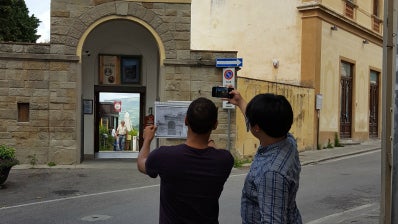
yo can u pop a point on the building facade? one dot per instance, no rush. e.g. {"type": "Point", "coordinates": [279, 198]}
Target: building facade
{"type": "Point", "coordinates": [329, 49]}
{"type": "Point", "coordinates": [324, 56]}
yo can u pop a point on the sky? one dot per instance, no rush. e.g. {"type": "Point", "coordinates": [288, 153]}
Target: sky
{"type": "Point", "coordinates": [41, 10]}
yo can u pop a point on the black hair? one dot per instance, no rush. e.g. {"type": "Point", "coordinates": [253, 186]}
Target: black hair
{"type": "Point", "coordinates": [202, 115]}
{"type": "Point", "coordinates": [272, 113]}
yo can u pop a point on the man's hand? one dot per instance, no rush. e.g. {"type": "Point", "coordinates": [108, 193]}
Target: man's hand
{"type": "Point", "coordinates": [149, 134]}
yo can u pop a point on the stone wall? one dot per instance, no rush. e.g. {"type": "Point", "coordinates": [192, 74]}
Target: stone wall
{"type": "Point", "coordinates": [29, 74]}
{"type": "Point", "coordinates": [187, 80]}
{"type": "Point", "coordinates": [71, 19]}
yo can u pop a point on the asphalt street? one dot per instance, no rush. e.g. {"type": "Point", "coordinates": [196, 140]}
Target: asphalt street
{"type": "Point", "coordinates": [34, 186]}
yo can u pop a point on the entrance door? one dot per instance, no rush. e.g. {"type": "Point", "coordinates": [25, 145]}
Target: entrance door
{"type": "Point", "coordinates": [346, 100]}
{"type": "Point", "coordinates": [374, 105]}
{"type": "Point", "coordinates": [112, 106]}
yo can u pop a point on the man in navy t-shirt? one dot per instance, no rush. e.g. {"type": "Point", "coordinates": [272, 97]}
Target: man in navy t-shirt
{"type": "Point", "coordinates": [192, 174]}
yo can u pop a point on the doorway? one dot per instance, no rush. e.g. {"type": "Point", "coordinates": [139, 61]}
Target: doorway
{"type": "Point", "coordinates": [374, 105]}
{"type": "Point", "coordinates": [346, 83]}
{"type": "Point", "coordinates": [114, 104]}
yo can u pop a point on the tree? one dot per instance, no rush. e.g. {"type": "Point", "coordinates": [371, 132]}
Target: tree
{"type": "Point", "coordinates": [16, 24]}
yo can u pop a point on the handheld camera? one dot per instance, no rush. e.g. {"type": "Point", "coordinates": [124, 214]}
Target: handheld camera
{"type": "Point", "coordinates": [221, 92]}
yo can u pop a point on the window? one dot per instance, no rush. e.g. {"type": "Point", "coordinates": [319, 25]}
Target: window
{"type": "Point", "coordinates": [349, 10]}
{"type": "Point", "coordinates": [376, 7]}
{"type": "Point", "coordinates": [23, 112]}
{"type": "Point", "coordinates": [375, 17]}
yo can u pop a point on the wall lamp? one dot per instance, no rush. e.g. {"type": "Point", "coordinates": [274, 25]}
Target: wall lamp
{"type": "Point", "coordinates": [365, 42]}
{"type": "Point", "coordinates": [334, 28]}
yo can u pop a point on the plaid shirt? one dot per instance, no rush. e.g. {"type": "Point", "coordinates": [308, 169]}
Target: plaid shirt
{"type": "Point", "coordinates": [269, 192]}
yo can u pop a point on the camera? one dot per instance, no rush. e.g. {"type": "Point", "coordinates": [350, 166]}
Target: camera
{"type": "Point", "coordinates": [221, 92]}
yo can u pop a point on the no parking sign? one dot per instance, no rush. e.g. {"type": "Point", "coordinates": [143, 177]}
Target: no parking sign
{"type": "Point", "coordinates": [228, 80]}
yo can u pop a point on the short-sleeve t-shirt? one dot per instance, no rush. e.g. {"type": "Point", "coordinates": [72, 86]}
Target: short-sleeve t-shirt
{"type": "Point", "coordinates": [191, 182]}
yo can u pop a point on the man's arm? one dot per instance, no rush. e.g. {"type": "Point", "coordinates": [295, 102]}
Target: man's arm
{"type": "Point", "coordinates": [149, 134]}
{"type": "Point", "coordinates": [273, 198]}
{"type": "Point", "coordinates": [238, 101]}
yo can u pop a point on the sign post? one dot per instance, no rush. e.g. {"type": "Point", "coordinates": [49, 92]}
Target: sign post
{"type": "Point", "coordinates": [228, 80]}
{"type": "Point", "coordinates": [229, 66]}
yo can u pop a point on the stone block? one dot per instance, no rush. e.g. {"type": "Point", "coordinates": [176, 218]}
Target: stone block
{"type": "Point", "coordinates": [35, 65]}
{"type": "Point", "coordinates": [8, 114]}
{"type": "Point", "coordinates": [20, 92]}
{"type": "Point", "coordinates": [110, 9]}
{"type": "Point", "coordinates": [183, 54]}
{"type": "Point", "coordinates": [16, 84]}
{"type": "Point", "coordinates": [39, 123]}
{"type": "Point", "coordinates": [183, 27]}
{"type": "Point", "coordinates": [170, 12]}
{"type": "Point", "coordinates": [6, 48]}
{"type": "Point", "coordinates": [149, 16]}
{"type": "Point", "coordinates": [14, 64]}
{"type": "Point", "coordinates": [163, 28]}
{"type": "Point", "coordinates": [3, 84]}
{"type": "Point", "coordinates": [40, 92]}
{"type": "Point", "coordinates": [37, 84]}
{"type": "Point", "coordinates": [122, 8]}
{"type": "Point", "coordinates": [64, 14]}
{"type": "Point", "coordinates": [185, 36]}
{"type": "Point", "coordinates": [39, 103]}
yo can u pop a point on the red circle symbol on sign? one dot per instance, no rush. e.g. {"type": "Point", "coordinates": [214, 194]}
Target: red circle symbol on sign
{"type": "Point", "coordinates": [228, 74]}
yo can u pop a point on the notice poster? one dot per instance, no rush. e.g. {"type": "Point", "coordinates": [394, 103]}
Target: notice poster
{"type": "Point", "coordinates": [109, 70]}
{"type": "Point", "coordinates": [170, 119]}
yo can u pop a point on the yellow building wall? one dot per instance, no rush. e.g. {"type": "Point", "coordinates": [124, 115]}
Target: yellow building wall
{"type": "Point", "coordinates": [302, 101]}
{"type": "Point", "coordinates": [343, 45]}
{"type": "Point", "coordinates": [363, 10]}
{"type": "Point", "coordinates": [261, 31]}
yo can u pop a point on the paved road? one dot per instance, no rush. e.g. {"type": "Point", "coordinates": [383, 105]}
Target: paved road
{"type": "Point", "coordinates": [114, 192]}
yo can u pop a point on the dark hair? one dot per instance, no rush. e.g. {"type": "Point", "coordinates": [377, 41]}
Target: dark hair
{"type": "Point", "coordinates": [272, 113]}
{"type": "Point", "coordinates": [202, 115]}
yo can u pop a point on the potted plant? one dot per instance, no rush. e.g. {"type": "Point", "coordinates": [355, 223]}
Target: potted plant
{"type": "Point", "coordinates": [131, 133]}
{"type": "Point", "coordinates": [7, 161]}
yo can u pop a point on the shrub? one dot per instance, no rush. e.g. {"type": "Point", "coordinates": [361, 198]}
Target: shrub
{"type": "Point", "coordinates": [7, 156]}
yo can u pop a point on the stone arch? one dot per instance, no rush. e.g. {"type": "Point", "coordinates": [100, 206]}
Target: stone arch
{"type": "Point", "coordinates": [82, 25]}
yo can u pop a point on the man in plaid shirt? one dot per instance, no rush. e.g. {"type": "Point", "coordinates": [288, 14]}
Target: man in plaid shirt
{"type": "Point", "coordinates": [269, 192]}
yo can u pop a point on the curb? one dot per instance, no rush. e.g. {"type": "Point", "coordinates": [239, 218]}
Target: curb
{"type": "Point", "coordinates": [337, 156]}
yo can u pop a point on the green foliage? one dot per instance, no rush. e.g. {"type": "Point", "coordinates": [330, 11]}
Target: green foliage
{"type": "Point", "coordinates": [133, 132]}
{"type": "Point", "coordinates": [106, 139]}
{"type": "Point", "coordinates": [51, 164]}
{"type": "Point", "coordinates": [330, 145]}
{"type": "Point", "coordinates": [7, 152]}
{"type": "Point", "coordinates": [16, 24]}
{"type": "Point", "coordinates": [33, 160]}
{"type": "Point", "coordinates": [239, 162]}
{"type": "Point", "coordinates": [337, 140]}
{"type": "Point", "coordinates": [7, 157]}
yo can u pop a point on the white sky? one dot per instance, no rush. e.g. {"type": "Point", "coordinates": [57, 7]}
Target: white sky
{"type": "Point", "coordinates": [41, 10]}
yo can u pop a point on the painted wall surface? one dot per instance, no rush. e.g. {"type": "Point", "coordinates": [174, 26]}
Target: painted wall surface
{"type": "Point", "coordinates": [260, 32]}
{"type": "Point", "coordinates": [301, 100]}
{"type": "Point", "coordinates": [343, 45]}
{"type": "Point", "coordinates": [363, 10]}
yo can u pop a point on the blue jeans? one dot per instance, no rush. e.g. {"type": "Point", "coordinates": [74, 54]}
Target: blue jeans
{"type": "Point", "coordinates": [122, 141]}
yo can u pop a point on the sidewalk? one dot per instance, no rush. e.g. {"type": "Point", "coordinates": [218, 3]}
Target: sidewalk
{"type": "Point", "coordinates": [306, 157]}
{"type": "Point", "coordinates": [93, 175]}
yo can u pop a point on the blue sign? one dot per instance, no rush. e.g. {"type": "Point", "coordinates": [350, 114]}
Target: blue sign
{"type": "Point", "coordinates": [229, 62]}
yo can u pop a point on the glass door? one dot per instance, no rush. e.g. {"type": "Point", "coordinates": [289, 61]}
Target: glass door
{"type": "Point", "coordinates": [118, 119]}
